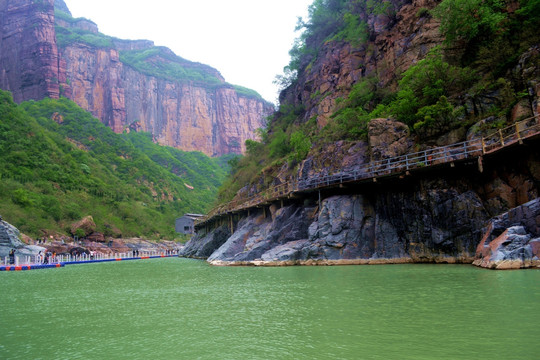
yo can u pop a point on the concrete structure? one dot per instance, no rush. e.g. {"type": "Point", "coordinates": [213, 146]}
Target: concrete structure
{"type": "Point", "coordinates": [186, 224]}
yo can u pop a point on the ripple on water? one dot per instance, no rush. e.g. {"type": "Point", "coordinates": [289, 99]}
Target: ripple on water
{"type": "Point", "coordinates": [178, 308]}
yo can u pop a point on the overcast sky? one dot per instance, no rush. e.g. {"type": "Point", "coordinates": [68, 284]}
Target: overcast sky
{"type": "Point", "coordinates": [248, 41]}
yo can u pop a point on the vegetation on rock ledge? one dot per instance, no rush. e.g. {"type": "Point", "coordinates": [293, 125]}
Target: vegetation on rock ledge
{"type": "Point", "coordinates": [450, 88]}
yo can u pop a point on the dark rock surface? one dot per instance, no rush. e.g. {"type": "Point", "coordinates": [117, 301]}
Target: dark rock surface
{"type": "Point", "coordinates": [440, 227]}
{"type": "Point", "coordinates": [437, 217]}
{"type": "Point", "coordinates": [257, 234]}
{"type": "Point", "coordinates": [204, 246]}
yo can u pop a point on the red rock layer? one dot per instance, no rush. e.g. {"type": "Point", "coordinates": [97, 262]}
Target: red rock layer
{"type": "Point", "coordinates": [28, 52]}
{"type": "Point", "coordinates": [215, 120]}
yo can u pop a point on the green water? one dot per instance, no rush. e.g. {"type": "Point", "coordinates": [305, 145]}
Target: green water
{"type": "Point", "coordinates": [184, 309]}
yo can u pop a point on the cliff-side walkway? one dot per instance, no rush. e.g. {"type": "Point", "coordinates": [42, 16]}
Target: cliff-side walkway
{"type": "Point", "coordinates": [395, 166]}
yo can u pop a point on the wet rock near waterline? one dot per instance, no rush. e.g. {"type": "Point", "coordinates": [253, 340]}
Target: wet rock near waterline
{"type": "Point", "coordinates": [512, 240]}
{"type": "Point", "coordinates": [433, 226]}
{"type": "Point", "coordinates": [257, 234]}
{"type": "Point", "coordinates": [291, 251]}
{"type": "Point", "coordinates": [202, 246]}
{"type": "Point", "coordinates": [437, 218]}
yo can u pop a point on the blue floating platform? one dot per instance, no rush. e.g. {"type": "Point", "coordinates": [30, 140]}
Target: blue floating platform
{"type": "Point", "coordinates": [30, 267]}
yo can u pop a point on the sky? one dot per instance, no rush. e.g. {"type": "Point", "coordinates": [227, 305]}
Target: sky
{"type": "Point", "coordinates": [248, 41]}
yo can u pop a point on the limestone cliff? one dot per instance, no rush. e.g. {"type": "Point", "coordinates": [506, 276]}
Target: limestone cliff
{"type": "Point", "coordinates": [44, 53]}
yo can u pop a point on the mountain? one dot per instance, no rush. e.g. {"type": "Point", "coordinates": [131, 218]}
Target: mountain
{"type": "Point", "coordinates": [368, 82]}
{"type": "Point", "coordinates": [59, 164]}
{"type": "Point", "coordinates": [45, 52]}
{"type": "Point", "coordinates": [358, 61]}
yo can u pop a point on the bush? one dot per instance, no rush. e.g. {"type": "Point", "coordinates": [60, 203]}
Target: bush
{"type": "Point", "coordinates": [470, 19]}
{"type": "Point", "coordinates": [435, 119]}
{"type": "Point", "coordinates": [300, 144]}
{"type": "Point", "coordinates": [80, 233]}
{"type": "Point", "coordinates": [21, 197]}
{"type": "Point", "coordinates": [279, 145]}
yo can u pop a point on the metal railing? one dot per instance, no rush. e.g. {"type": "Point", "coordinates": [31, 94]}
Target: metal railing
{"type": "Point", "coordinates": [57, 259]}
{"type": "Point", "coordinates": [493, 142]}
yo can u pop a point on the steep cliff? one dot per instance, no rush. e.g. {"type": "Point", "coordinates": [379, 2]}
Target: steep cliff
{"type": "Point", "coordinates": [28, 52]}
{"type": "Point", "coordinates": [126, 84]}
{"type": "Point", "coordinates": [398, 38]}
{"type": "Point", "coordinates": [375, 80]}
{"type": "Point", "coordinates": [436, 216]}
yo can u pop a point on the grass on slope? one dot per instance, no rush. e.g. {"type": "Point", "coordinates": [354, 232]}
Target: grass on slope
{"type": "Point", "coordinates": [60, 164]}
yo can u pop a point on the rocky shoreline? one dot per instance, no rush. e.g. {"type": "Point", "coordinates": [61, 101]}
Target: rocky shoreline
{"type": "Point", "coordinates": [340, 262]}
{"type": "Point", "coordinates": [336, 235]}
{"type": "Point", "coordinates": [10, 238]}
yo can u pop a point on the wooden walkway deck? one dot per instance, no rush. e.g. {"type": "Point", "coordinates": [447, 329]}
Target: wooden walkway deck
{"type": "Point", "coordinates": [494, 142]}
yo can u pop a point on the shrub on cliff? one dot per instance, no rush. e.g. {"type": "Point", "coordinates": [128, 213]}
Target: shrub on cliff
{"type": "Point", "coordinates": [469, 19]}
{"type": "Point", "coordinates": [422, 99]}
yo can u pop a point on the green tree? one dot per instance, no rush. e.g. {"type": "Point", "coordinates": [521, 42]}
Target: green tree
{"type": "Point", "coordinates": [300, 144]}
{"type": "Point", "coordinates": [468, 19]}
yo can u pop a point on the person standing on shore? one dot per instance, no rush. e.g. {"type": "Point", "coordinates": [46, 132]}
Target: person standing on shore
{"type": "Point", "coordinates": [12, 257]}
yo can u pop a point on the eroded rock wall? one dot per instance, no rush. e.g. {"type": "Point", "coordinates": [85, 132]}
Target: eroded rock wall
{"type": "Point", "coordinates": [414, 225]}
{"type": "Point", "coordinates": [214, 119]}
{"type": "Point", "coordinates": [430, 216]}
{"type": "Point", "coordinates": [29, 62]}
{"type": "Point", "coordinates": [396, 42]}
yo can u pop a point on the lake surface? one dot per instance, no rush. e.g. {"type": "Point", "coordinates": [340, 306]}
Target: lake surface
{"type": "Point", "coordinates": [185, 309]}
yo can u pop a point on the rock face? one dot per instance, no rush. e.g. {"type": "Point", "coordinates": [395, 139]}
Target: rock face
{"type": "Point", "coordinates": [388, 138]}
{"type": "Point", "coordinates": [9, 235]}
{"type": "Point", "coordinates": [28, 51]}
{"type": "Point", "coordinates": [203, 247]}
{"type": "Point", "coordinates": [437, 216]}
{"type": "Point", "coordinates": [512, 240]}
{"type": "Point", "coordinates": [395, 43]}
{"type": "Point", "coordinates": [87, 225]}
{"type": "Point", "coordinates": [435, 225]}
{"type": "Point", "coordinates": [189, 115]}
{"type": "Point", "coordinates": [10, 239]}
